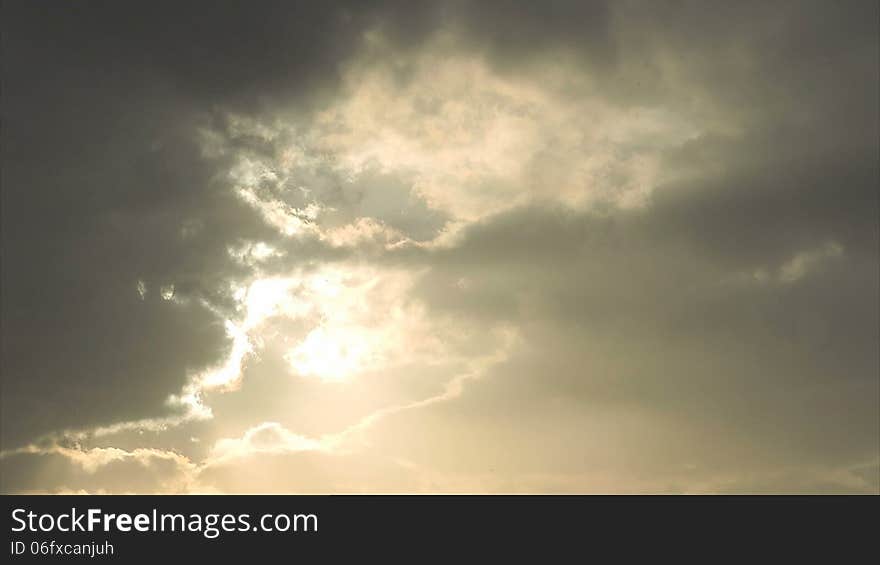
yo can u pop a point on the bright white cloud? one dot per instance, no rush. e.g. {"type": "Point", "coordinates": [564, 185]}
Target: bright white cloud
{"type": "Point", "coordinates": [477, 142]}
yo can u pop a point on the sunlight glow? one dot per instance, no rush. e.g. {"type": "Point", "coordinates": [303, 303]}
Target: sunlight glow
{"type": "Point", "coordinates": [331, 355]}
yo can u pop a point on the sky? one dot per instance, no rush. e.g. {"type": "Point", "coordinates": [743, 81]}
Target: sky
{"type": "Point", "coordinates": [437, 247]}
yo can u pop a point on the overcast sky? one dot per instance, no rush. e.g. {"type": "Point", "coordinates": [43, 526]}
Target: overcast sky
{"type": "Point", "coordinates": [440, 247]}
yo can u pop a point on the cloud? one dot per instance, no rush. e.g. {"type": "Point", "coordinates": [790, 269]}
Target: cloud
{"type": "Point", "coordinates": [270, 437]}
{"type": "Point", "coordinates": [454, 246]}
{"type": "Point", "coordinates": [57, 469]}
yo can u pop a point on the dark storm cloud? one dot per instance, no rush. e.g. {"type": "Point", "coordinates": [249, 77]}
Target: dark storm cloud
{"type": "Point", "coordinates": [101, 171]}
{"type": "Point", "coordinates": [511, 31]}
{"type": "Point", "coordinates": [618, 313]}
